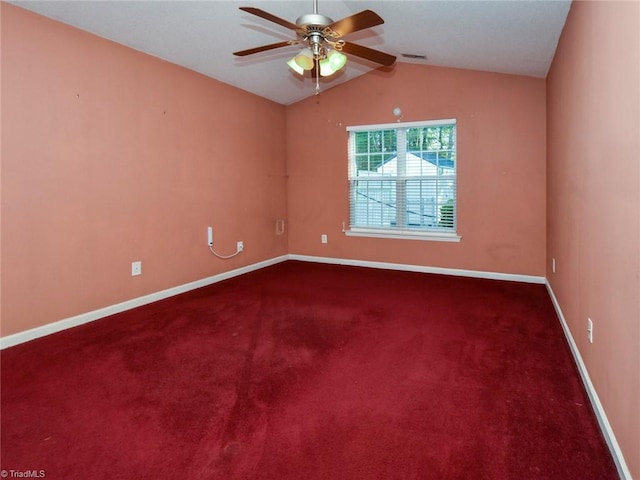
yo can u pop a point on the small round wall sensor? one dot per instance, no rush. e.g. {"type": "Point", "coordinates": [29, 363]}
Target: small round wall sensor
{"type": "Point", "coordinates": [397, 111]}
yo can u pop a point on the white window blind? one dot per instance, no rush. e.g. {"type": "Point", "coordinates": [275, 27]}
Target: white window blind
{"type": "Point", "coordinates": [402, 178]}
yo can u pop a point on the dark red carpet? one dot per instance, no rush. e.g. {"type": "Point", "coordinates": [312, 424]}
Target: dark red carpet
{"type": "Point", "coordinates": [308, 371]}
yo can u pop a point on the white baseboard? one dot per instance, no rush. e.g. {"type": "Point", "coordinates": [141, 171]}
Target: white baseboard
{"type": "Point", "coordinates": [421, 269]}
{"type": "Point", "coordinates": [32, 334]}
{"type": "Point", "coordinates": [601, 416]}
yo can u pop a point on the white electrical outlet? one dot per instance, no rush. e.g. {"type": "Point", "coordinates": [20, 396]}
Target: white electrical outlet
{"type": "Point", "coordinates": [323, 238]}
{"type": "Point", "coordinates": [240, 246]}
{"type": "Point", "coordinates": [590, 330]}
{"type": "Point", "coordinates": [210, 236]}
{"type": "Point", "coordinates": [136, 268]}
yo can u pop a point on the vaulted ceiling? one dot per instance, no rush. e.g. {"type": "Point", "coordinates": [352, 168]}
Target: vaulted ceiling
{"type": "Point", "coordinates": [506, 36]}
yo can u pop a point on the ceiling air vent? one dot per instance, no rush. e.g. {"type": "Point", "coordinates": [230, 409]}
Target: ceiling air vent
{"type": "Point", "coordinates": [414, 56]}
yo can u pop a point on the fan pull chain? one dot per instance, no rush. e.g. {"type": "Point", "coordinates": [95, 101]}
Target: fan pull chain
{"type": "Point", "coordinates": [317, 77]}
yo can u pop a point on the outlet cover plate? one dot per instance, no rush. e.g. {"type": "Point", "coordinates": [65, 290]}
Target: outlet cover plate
{"type": "Point", "coordinates": [136, 268]}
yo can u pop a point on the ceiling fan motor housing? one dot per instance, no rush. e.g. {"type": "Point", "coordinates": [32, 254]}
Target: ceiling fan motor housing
{"type": "Point", "coordinates": [312, 20]}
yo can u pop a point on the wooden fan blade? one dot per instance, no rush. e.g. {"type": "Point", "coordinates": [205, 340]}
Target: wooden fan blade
{"type": "Point", "coordinates": [264, 48]}
{"type": "Point", "coordinates": [270, 17]}
{"type": "Point", "coordinates": [368, 54]}
{"type": "Point", "coordinates": [355, 23]}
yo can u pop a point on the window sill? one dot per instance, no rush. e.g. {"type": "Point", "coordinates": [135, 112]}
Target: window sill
{"type": "Point", "coordinates": [403, 234]}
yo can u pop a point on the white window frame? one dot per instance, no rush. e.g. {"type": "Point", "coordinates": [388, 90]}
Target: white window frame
{"type": "Point", "coordinates": [395, 232]}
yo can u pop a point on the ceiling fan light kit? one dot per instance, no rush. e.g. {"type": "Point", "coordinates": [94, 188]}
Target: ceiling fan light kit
{"type": "Point", "coordinates": [324, 51]}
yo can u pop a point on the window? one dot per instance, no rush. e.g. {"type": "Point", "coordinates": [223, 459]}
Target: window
{"type": "Point", "coordinates": [402, 180]}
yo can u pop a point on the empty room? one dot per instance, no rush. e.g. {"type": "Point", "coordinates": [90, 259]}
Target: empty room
{"type": "Point", "coordinates": [320, 239]}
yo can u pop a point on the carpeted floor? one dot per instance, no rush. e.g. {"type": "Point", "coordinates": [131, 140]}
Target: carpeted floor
{"type": "Point", "coordinates": [308, 371]}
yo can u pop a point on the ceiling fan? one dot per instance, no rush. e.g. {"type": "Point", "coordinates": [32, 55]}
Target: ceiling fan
{"type": "Point", "coordinates": [324, 49]}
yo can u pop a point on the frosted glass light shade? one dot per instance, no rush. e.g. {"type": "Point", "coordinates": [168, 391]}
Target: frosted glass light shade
{"type": "Point", "coordinates": [335, 61]}
{"type": "Point", "coordinates": [295, 67]}
{"type": "Point", "coordinates": [304, 59]}
{"type": "Point", "coordinates": [326, 68]}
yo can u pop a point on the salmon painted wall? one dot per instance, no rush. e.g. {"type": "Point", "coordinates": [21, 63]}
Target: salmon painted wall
{"type": "Point", "coordinates": [501, 170]}
{"type": "Point", "coordinates": [594, 202]}
{"type": "Point", "coordinates": [111, 156]}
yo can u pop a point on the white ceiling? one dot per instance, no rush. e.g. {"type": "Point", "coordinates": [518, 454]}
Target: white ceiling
{"type": "Point", "coordinates": [506, 36]}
